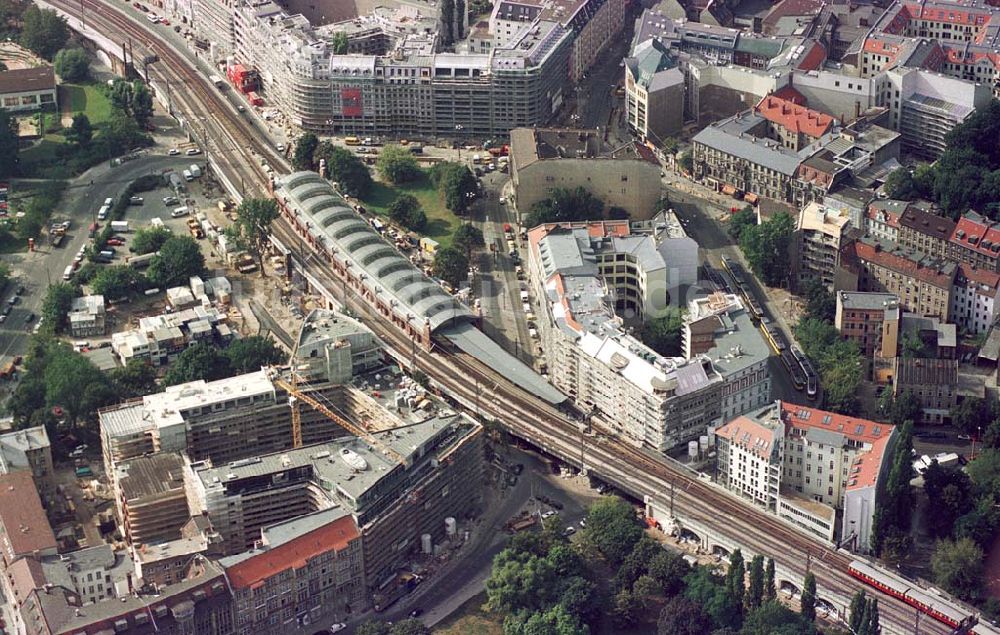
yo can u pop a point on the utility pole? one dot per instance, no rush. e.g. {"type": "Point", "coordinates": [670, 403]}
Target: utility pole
{"type": "Point", "coordinates": [671, 498]}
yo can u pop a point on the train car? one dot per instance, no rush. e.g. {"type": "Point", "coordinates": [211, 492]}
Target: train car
{"type": "Point", "coordinates": [773, 336]}
{"type": "Point", "coordinates": [794, 370]}
{"type": "Point", "coordinates": [810, 374]}
{"type": "Point", "coordinates": [928, 601]}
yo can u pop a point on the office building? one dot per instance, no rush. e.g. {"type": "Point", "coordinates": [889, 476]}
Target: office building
{"type": "Point", "coordinates": [335, 348]}
{"type": "Point", "coordinates": [819, 237]}
{"type": "Point", "coordinates": [86, 316]}
{"type": "Point", "coordinates": [654, 92]}
{"type": "Point", "coordinates": [647, 398]}
{"type": "Point", "coordinates": [223, 420]}
{"type": "Point", "coordinates": [409, 86]}
{"type": "Point", "coordinates": [976, 241]}
{"type": "Point", "coordinates": [28, 89]}
{"type": "Point", "coordinates": [808, 466]}
{"type": "Point", "coordinates": [543, 159]}
{"type": "Point", "coordinates": [861, 317]}
{"type": "Point", "coordinates": [307, 569]}
{"type": "Point", "coordinates": [922, 284]}
{"type": "Point", "coordinates": [401, 485]}
{"type": "Point", "coordinates": [975, 296]}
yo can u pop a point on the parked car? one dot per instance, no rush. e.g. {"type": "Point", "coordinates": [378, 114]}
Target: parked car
{"type": "Point", "coordinates": [193, 151]}
{"type": "Point", "coordinates": [115, 242]}
{"type": "Point", "coordinates": [30, 318]}
{"type": "Point", "coordinates": [339, 626]}
{"type": "Point", "coordinates": [173, 152]}
{"type": "Point", "coordinates": [136, 200]}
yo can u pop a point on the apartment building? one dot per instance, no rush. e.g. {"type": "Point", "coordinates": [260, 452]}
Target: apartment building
{"type": "Point", "coordinates": [922, 284]}
{"type": "Point", "coordinates": [924, 231]}
{"type": "Point", "coordinates": [29, 449]}
{"type": "Point", "coordinates": [794, 126]}
{"type": "Point", "coordinates": [199, 604]}
{"type": "Point", "coordinates": [87, 316]}
{"type": "Point", "coordinates": [654, 89]}
{"type": "Point", "coordinates": [303, 570]}
{"type": "Point", "coordinates": [543, 159]}
{"type": "Point", "coordinates": [24, 528]}
{"type": "Point", "coordinates": [932, 381]}
{"type": "Point", "coordinates": [223, 420]}
{"type": "Point", "coordinates": [976, 241]}
{"type": "Point", "coordinates": [882, 219]}
{"type": "Point", "coordinates": [164, 563]}
{"type": "Point", "coordinates": [861, 318]}
{"type": "Point", "coordinates": [819, 238]}
{"type": "Point", "coordinates": [808, 466]}
{"type": "Point", "coordinates": [151, 497]}
{"type": "Point", "coordinates": [975, 296]}
{"type": "Point", "coordinates": [719, 326]}
{"type": "Point", "coordinates": [97, 573]}
{"type": "Point", "coordinates": [956, 39]}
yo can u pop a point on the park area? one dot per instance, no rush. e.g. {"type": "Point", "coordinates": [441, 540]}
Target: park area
{"type": "Point", "coordinates": [43, 158]}
{"type": "Point", "coordinates": [471, 619]}
{"type": "Point", "coordinates": [441, 222]}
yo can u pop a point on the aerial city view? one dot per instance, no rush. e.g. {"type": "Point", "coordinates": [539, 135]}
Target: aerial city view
{"type": "Point", "coordinates": [522, 317]}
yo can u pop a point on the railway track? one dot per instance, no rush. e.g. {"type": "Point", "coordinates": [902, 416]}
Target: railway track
{"type": "Point", "coordinates": [465, 377]}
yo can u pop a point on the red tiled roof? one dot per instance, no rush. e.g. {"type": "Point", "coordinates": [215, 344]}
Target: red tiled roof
{"type": "Point", "coordinates": [793, 116]}
{"type": "Point", "coordinates": [23, 517]}
{"type": "Point", "coordinates": [900, 264]}
{"type": "Point", "coordinates": [968, 228]}
{"type": "Point", "coordinates": [749, 435]}
{"type": "Point", "coordinates": [814, 58]}
{"type": "Point", "coordinates": [293, 554]}
{"type": "Point", "coordinates": [855, 428]}
{"type": "Point", "coordinates": [951, 13]}
{"type": "Point", "coordinates": [789, 94]}
{"type": "Point", "coordinates": [865, 469]}
{"type": "Point", "coordinates": [985, 277]}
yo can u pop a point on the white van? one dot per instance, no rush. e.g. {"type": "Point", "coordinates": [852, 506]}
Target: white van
{"type": "Point", "coordinates": [68, 272]}
{"type": "Point", "coordinates": [180, 211]}
{"type": "Point", "coordinates": [102, 213]}
{"type": "Point", "coordinates": [108, 202]}
{"type": "Point", "coordinates": [187, 175]}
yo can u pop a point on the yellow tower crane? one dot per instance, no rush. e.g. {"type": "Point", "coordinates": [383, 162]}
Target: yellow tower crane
{"type": "Point", "coordinates": [297, 395]}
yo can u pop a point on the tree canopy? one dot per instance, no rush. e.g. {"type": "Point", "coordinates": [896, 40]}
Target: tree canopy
{"type": "Point", "coordinates": [9, 145]}
{"type": "Point", "coordinates": [201, 361]}
{"type": "Point", "coordinates": [406, 211]}
{"type": "Point", "coordinates": [451, 265]}
{"type": "Point", "coordinates": [839, 363]}
{"type": "Point", "coordinates": [397, 165]}
{"type": "Point", "coordinates": [766, 248]}
{"type": "Point", "coordinates": [346, 168]}
{"type": "Point", "coordinates": [56, 305]}
{"type": "Point", "coordinates": [43, 31]}
{"type": "Point", "coordinates": [958, 568]}
{"type": "Point", "coordinates": [249, 354]}
{"type": "Point", "coordinates": [663, 332]}
{"type": "Point", "coordinates": [72, 65]}
{"type": "Point", "coordinates": [468, 238]}
{"type": "Point", "coordinates": [305, 149]}
{"type": "Point", "coordinates": [120, 281]}
{"type": "Point", "coordinates": [456, 184]}
{"type": "Point", "coordinates": [179, 258]}
{"type": "Point", "coordinates": [80, 132]}
{"type": "Point", "coordinates": [150, 239]}
{"type": "Point", "coordinates": [612, 528]}
{"type": "Point", "coordinates": [565, 205]}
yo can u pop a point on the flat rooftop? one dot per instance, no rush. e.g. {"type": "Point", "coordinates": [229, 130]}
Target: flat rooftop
{"type": "Point", "coordinates": [151, 475]}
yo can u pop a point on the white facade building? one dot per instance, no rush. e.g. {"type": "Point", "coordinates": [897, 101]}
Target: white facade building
{"type": "Point", "coordinates": [974, 297]}
{"type": "Point", "coordinates": [805, 465]}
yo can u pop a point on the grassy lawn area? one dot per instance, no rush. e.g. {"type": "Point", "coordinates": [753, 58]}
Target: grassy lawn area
{"type": "Point", "coordinates": [441, 223]}
{"type": "Point", "coordinates": [85, 98]}
{"type": "Point", "coordinates": [470, 619]}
